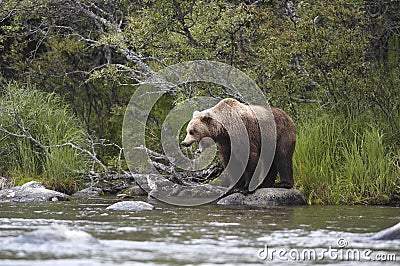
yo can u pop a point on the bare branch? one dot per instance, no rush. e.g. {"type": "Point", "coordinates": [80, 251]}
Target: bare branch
{"type": "Point", "coordinates": [27, 135]}
{"type": "Point", "coordinates": [155, 155]}
{"type": "Point", "coordinates": [91, 154]}
{"type": "Point", "coordinates": [81, 7]}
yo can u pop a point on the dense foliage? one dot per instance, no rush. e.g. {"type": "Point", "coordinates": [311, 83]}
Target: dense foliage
{"type": "Point", "coordinates": [34, 125]}
{"type": "Point", "coordinates": [332, 65]}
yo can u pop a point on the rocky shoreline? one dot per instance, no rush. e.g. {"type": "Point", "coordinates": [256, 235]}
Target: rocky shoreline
{"type": "Point", "coordinates": [124, 186]}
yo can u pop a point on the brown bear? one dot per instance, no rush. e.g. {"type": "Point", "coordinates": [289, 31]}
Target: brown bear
{"type": "Point", "coordinates": [229, 115]}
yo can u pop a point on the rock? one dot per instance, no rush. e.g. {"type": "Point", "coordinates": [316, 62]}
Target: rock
{"type": "Point", "coordinates": [31, 192]}
{"type": "Point", "coordinates": [390, 233]}
{"type": "Point", "coordinates": [201, 191]}
{"type": "Point", "coordinates": [55, 233]}
{"type": "Point", "coordinates": [114, 183]}
{"type": "Point", "coordinates": [89, 192]}
{"type": "Point", "coordinates": [265, 197]}
{"type": "Point", "coordinates": [33, 184]}
{"type": "Point", "coordinates": [4, 183]}
{"type": "Point", "coordinates": [187, 193]}
{"type": "Point", "coordinates": [131, 206]}
{"type": "Point", "coordinates": [132, 191]}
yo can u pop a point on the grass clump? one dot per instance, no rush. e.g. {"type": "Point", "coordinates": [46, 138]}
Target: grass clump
{"type": "Point", "coordinates": [34, 125]}
{"type": "Point", "coordinates": [339, 160]}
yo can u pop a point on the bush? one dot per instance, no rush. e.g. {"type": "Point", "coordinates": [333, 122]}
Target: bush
{"type": "Point", "coordinates": [342, 161]}
{"type": "Point", "coordinates": [40, 122]}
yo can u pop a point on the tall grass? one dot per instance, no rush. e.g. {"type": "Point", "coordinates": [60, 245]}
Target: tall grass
{"type": "Point", "coordinates": [48, 120]}
{"type": "Point", "coordinates": [340, 160]}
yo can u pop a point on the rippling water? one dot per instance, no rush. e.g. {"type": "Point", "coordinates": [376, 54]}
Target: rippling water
{"type": "Point", "coordinates": [205, 235]}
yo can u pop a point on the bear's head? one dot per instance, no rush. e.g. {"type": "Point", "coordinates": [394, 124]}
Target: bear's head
{"type": "Point", "coordinates": [198, 130]}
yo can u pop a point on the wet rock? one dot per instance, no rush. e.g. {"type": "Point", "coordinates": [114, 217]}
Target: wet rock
{"type": "Point", "coordinates": [265, 197]}
{"type": "Point", "coordinates": [131, 206]}
{"type": "Point", "coordinates": [31, 192]}
{"type": "Point", "coordinates": [32, 184]}
{"type": "Point", "coordinates": [197, 191]}
{"type": "Point", "coordinates": [89, 192]}
{"type": "Point", "coordinates": [114, 183]}
{"type": "Point", "coordinates": [390, 233]}
{"type": "Point", "coordinates": [4, 183]}
{"type": "Point", "coordinates": [55, 233]}
{"type": "Point", "coordinates": [132, 191]}
{"type": "Point", "coordinates": [161, 188]}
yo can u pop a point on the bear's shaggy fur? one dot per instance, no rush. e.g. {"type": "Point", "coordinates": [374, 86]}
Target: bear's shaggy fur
{"type": "Point", "coordinates": [229, 115]}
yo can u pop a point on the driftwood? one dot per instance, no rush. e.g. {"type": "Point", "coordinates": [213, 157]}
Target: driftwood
{"type": "Point", "coordinates": [165, 164]}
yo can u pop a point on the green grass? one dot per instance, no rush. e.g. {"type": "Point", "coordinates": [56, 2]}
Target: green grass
{"type": "Point", "coordinates": [49, 121]}
{"type": "Point", "coordinates": [341, 160]}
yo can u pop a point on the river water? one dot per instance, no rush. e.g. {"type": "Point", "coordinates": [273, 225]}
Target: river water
{"type": "Point", "coordinates": [204, 235]}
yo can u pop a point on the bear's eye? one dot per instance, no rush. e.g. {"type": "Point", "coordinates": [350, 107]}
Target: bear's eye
{"type": "Point", "coordinates": [191, 132]}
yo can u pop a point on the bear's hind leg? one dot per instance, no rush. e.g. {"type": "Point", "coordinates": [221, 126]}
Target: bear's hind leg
{"type": "Point", "coordinates": [284, 167]}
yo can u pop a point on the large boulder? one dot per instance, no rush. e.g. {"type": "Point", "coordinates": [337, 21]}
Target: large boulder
{"type": "Point", "coordinates": [265, 197]}
{"type": "Point", "coordinates": [131, 206]}
{"type": "Point", "coordinates": [390, 233]}
{"type": "Point", "coordinates": [31, 192]}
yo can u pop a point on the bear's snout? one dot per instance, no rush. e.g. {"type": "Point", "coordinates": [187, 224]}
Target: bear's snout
{"type": "Point", "coordinates": [189, 140]}
{"type": "Point", "coordinates": [185, 144]}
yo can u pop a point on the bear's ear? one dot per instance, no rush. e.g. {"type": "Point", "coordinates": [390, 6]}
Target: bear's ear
{"type": "Point", "coordinates": [196, 113]}
{"type": "Point", "coordinates": [206, 117]}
